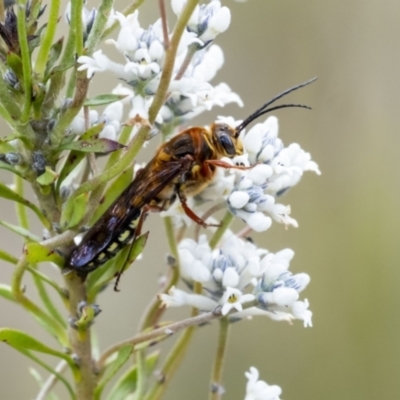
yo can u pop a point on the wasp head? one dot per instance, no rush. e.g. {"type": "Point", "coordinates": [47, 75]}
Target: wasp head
{"type": "Point", "coordinates": [225, 140]}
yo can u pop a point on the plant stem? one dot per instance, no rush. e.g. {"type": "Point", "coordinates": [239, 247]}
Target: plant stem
{"type": "Point", "coordinates": [51, 381]}
{"type": "Point", "coordinates": [159, 332]}
{"type": "Point", "coordinates": [141, 374]}
{"type": "Point", "coordinates": [226, 221]}
{"type": "Point", "coordinates": [23, 222]}
{"type": "Point", "coordinates": [154, 311]}
{"type": "Point", "coordinates": [216, 377]}
{"type": "Point", "coordinates": [97, 31]}
{"type": "Point", "coordinates": [76, 25]}
{"type": "Point", "coordinates": [207, 214]}
{"type": "Point", "coordinates": [175, 356]}
{"type": "Point", "coordinates": [26, 60]}
{"type": "Point", "coordinates": [80, 341]}
{"type": "Point", "coordinates": [48, 37]}
{"type": "Point", "coordinates": [163, 14]}
{"type": "Point", "coordinates": [192, 49]}
{"type": "Point", "coordinates": [20, 208]}
{"type": "Point", "coordinates": [169, 62]}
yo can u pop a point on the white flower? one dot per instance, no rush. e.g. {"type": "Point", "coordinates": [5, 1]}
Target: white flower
{"type": "Point", "coordinates": [260, 390]}
{"type": "Point", "coordinates": [300, 311]}
{"type": "Point", "coordinates": [275, 170]}
{"type": "Point", "coordinates": [78, 124]}
{"type": "Point", "coordinates": [207, 21]}
{"type": "Point", "coordinates": [99, 63]}
{"type": "Point", "coordinates": [195, 259]}
{"type": "Point", "coordinates": [278, 289]}
{"type": "Point", "coordinates": [233, 299]}
{"type": "Point", "coordinates": [178, 298]}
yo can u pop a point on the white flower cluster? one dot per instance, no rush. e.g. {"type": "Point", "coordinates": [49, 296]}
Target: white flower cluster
{"type": "Point", "coordinates": [237, 265]}
{"type": "Point", "coordinates": [260, 390]}
{"type": "Point", "coordinates": [144, 53]}
{"type": "Point", "coordinates": [111, 117]}
{"type": "Point", "coordinates": [277, 168]}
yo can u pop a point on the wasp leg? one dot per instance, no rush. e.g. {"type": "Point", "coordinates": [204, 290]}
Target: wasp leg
{"type": "Point", "coordinates": [190, 213]}
{"type": "Point", "coordinates": [223, 164]}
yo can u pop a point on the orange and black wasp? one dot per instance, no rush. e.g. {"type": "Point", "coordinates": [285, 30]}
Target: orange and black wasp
{"type": "Point", "coordinates": [182, 166]}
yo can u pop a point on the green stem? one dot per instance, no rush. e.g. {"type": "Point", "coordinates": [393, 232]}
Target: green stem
{"type": "Point", "coordinates": [58, 78]}
{"type": "Point", "coordinates": [169, 230]}
{"type": "Point", "coordinates": [216, 377]}
{"type": "Point", "coordinates": [192, 49]}
{"type": "Point", "coordinates": [226, 221]}
{"type": "Point", "coordinates": [50, 282]}
{"type": "Point", "coordinates": [75, 43]}
{"type": "Point", "coordinates": [80, 341]}
{"type": "Point", "coordinates": [98, 28]}
{"type": "Point", "coordinates": [175, 356]}
{"type": "Point", "coordinates": [48, 301]}
{"type": "Point", "coordinates": [141, 374]}
{"type": "Point", "coordinates": [171, 364]}
{"type": "Point", "coordinates": [20, 208]}
{"type": "Point", "coordinates": [76, 25]}
{"type": "Point", "coordinates": [26, 60]}
{"type": "Point", "coordinates": [47, 40]}
{"type": "Point", "coordinates": [24, 223]}
{"type": "Point", "coordinates": [154, 312]}
{"type": "Point", "coordinates": [169, 62]}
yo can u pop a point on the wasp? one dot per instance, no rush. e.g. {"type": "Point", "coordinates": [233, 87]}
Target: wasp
{"type": "Point", "coordinates": [181, 167]}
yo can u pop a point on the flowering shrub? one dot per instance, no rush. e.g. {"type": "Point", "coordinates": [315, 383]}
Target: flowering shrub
{"type": "Point", "coordinates": [58, 132]}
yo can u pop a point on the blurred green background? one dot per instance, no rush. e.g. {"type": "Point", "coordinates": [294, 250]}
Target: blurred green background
{"type": "Point", "coordinates": [349, 222]}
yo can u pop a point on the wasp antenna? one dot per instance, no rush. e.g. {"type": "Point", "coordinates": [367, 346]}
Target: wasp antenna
{"type": "Point", "coordinates": [282, 106]}
{"type": "Point", "coordinates": [263, 109]}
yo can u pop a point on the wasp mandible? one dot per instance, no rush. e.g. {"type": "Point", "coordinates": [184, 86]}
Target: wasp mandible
{"type": "Point", "coordinates": [182, 166]}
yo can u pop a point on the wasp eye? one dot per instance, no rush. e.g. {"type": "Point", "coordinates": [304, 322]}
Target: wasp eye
{"type": "Point", "coordinates": [227, 144]}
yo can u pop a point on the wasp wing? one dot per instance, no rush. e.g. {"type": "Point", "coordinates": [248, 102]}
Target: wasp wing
{"type": "Point", "coordinates": [127, 208]}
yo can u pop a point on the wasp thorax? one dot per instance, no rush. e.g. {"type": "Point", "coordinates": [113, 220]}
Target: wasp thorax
{"type": "Point", "coordinates": [225, 140]}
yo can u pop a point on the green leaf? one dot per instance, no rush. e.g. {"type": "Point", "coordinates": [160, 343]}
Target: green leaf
{"type": "Point", "coordinates": [34, 271]}
{"type": "Point", "coordinates": [15, 63]}
{"type": "Point", "coordinates": [8, 257]}
{"type": "Point", "coordinates": [36, 253]}
{"type": "Point", "coordinates": [21, 231]}
{"type": "Point", "coordinates": [12, 169]}
{"type": "Point", "coordinates": [113, 191]}
{"type": "Point", "coordinates": [22, 342]}
{"type": "Point", "coordinates": [6, 292]}
{"type": "Point", "coordinates": [75, 157]}
{"type": "Point", "coordinates": [59, 69]}
{"type": "Point", "coordinates": [102, 146]}
{"type": "Point", "coordinates": [5, 147]}
{"type": "Point", "coordinates": [9, 194]}
{"type": "Point", "coordinates": [122, 357]}
{"type": "Point", "coordinates": [74, 211]}
{"type": "Point", "coordinates": [102, 276]}
{"type": "Point", "coordinates": [47, 178]}
{"type": "Point", "coordinates": [17, 136]}
{"type": "Point", "coordinates": [126, 384]}
{"type": "Point", "coordinates": [103, 99]}
{"type": "Point", "coordinates": [55, 52]}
